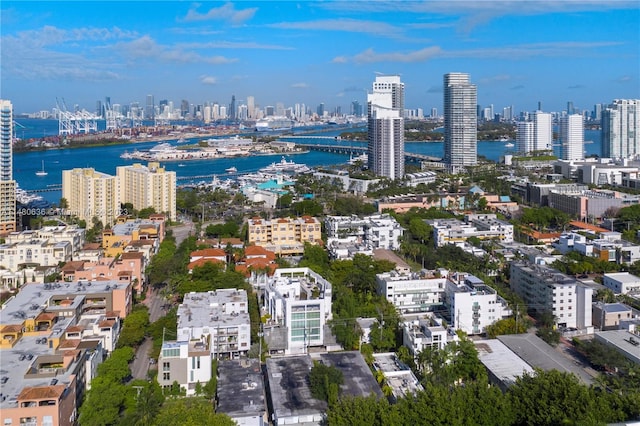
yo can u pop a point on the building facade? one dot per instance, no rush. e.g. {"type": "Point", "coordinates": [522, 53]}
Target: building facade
{"type": "Point", "coordinates": [620, 126]}
{"type": "Point", "coordinates": [284, 236]}
{"type": "Point", "coordinates": [91, 194]}
{"type": "Point", "coordinates": [385, 107]}
{"type": "Point", "coordinates": [148, 186]}
{"type": "Point", "coordinates": [7, 184]}
{"type": "Point", "coordinates": [571, 137]}
{"type": "Point", "coordinates": [536, 135]}
{"type": "Point", "coordinates": [185, 362]}
{"type": "Point", "coordinates": [460, 122]}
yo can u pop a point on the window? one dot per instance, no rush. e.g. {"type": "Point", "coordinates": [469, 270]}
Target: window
{"type": "Point", "coordinates": [47, 420]}
{"type": "Point", "coordinates": [166, 376]}
{"type": "Point", "coordinates": [165, 366]}
{"type": "Point", "coordinates": [8, 422]}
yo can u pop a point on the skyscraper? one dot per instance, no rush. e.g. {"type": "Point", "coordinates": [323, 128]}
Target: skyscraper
{"type": "Point", "coordinates": [7, 184]}
{"type": "Point", "coordinates": [460, 122]}
{"type": "Point", "coordinates": [535, 135]}
{"type": "Point", "coordinates": [232, 108]}
{"type": "Point", "coordinates": [621, 129]}
{"type": "Point", "coordinates": [385, 111]}
{"type": "Point", "coordinates": [251, 105]}
{"type": "Point", "coordinates": [150, 108]}
{"type": "Point", "coordinates": [572, 137]}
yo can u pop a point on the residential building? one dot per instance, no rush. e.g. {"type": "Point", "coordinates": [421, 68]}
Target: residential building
{"type": "Point", "coordinates": [609, 316]}
{"type": "Point", "coordinates": [257, 264]}
{"type": "Point", "coordinates": [589, 204]}
{"type": "Point", "coordinates": [148, 186]}
{"type": "Point", "coordinates": [185, 362]}
{"type": "Point", "coordinates": [481, 226]}
{"type": "Point", "coordinates": [346, 183]}
{"type": "Point", "coordinates": [284, 236]}
{"type": "Point", "coordinates": [222, 316]}
{"type": "Point", "coordinates": [622, 283]}
{"type": "Point", "coordinates": [126, 230]}
{"type": "Point", "coordinates": [376, 231]}
{"type": "Point", "coordinates": [7, 184]}
{"type": "Point", "coordinates": [385, 111]}
{"type": "Point", "coordinates": [411, 292]}
{"type": "Point", "coordinates": [241, 392]}
{"type": "Point", "coordinates": [535, 135]}
{"type": "Point", "coordinates": [571, 136]}
{"type": "Point", "coordinates": [472, 304]}
{"type": "Point", "coordinates": [620, 129]}
{"type": "Point", "coordinates": [609, 246]}
{"type": "Point", "coordinates": [426, 333]}
{"type": "Point", "coordinates": [299, 300]}
{"type": "Point", "coordinates": [53, 234]}
{"type": "Point", "coordinates": [544, 289]}
{"type": "Point", "coordinates": [91, 194]}
{"type": "Point", "coordinates": [290, 393]}
{"type": "Point", "coordinates": [358, 381]}
{"type": "Point", "coordinates": [502, 364]}
{"type": "Point", "coordinates": [397, 375]}
{"type": "Point", "coordinates": [460, 122]}
{"type": "Point", "coordinates": [18, 255]}
{"type": "Point", "coordinates": [128, 268]}
{"type": "Point", "coordinates": [426, 177]}
{"type": "Point", "coordinates": [212, 255]}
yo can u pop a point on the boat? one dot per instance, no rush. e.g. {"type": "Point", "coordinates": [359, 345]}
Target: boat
{"type": "Point", "coordinates": [285, 166]}
{"type": "Point", "coordinates": [41, 172]}
{"type": "Point", "coordinates": [181, 165]}
{"type": "Point", "coordinates": [274, 124]}
{"type": "Point", "coordinates": [182, 140]}
{"type": "Point", "coordinates": [231, 170]}
{"type": "Point", "coordinates": [509, 145]}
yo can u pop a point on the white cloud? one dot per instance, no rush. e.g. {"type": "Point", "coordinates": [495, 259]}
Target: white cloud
{"type": "Point", "coordinates": [370, 56]}
{"type": "Point", "coordinates": [299, 85]}
{"type": "Point", "coordinates": [226, 12]}
{"type": "Point", "coordinates": [234, 45]}
{"type": "Point", "coordinates": [207, 79]}
{"type": "Point", "coordinates": [147, 48]}
{"type": "Point", "coordinates": [342, 24]}
{"type": "Point", "coordinates": [340, 60]}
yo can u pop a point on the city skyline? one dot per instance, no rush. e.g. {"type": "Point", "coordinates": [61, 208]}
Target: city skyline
{"type": "Point", "coordinates": [318, 52]}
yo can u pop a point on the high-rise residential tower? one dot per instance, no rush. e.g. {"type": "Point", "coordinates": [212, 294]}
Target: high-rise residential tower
{"type": "Point", "coordinates": [536, 135]}
{"type": "Point", "coordinates": [91, 194]}
{"type": "Point", "coordinates": [385, 111]}
{"type": "Point", "coordinates": [460, 122]}
{"type": "Point", "coordinates": [148, 186]}
{"type": "Point", "coordinates": [621, 129]}
{"type": "Point", "coordinates": [7, 184]}
{"type": "Point", "coordinates": [572, 137]}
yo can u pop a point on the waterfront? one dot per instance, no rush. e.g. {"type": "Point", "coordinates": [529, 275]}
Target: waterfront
{"type": "Point", "coordinates": [107, 158]}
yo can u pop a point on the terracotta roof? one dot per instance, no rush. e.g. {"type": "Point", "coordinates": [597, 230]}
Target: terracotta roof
{"type": "Point", "coordinates": [91, 246]}
{"type": "Point", "coordinates": [210, 252]}
{"type": "Point", "coordinates": [11, 328]}
{"type": "Point", "coordinates": [588, 226]}
{"type": "Point", "coordinates": [73, 265]}
{"type": "Point", "coordinates": [106, 323]}
{"type": "Point", "coordinates": [45, 316]}
{"type": "Point", "coordinates": [75, 329]}
{"type": "Point", "coordinates": [112, 314]}
{"type": "Point", "coordinates": [44, 392]}
{"type": "Point", "coordinates": [125, 273]}
{"type": "Point", "coordinates": [70, 343]}
{"type": "Point", "coordinates": [202, 262]}
{"type": "Point", "coordinates": [259, 251]}
{"type": "Point", "coordinates": [132, 255]}
{"type": "Point", "coordinates": [139, 243]}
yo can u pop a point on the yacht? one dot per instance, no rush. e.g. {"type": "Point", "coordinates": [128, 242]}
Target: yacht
{"type": "Point", "coordinates": [231, 170]}
{"type": "Point", "coordinates": [285, 166]}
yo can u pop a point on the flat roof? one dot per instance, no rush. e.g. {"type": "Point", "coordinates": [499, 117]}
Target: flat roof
{"type": "Point", "coordinates": [207, 309]}
{"type": "Point", "coordinates": [358, 379]}
{"type": "Point", "coordinates": [289, 387]}
{"type": "Point", "coordinates": [241, 388]}
{"type": "Point", "coordinates": [502, 362]}
{"type": "Point", "coordinates": [615, 307]}
{"type": "Point", "coordinates": [623, 277]}
{"type": "Point", "coordinates": [621, 340]}
{"type": "Point", "coordinates": [537, 353]}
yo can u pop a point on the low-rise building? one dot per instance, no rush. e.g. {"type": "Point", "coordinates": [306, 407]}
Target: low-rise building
{"type": "Point", "coordinates": [544, 289]}
{"type": "Point", "coordinates": [185, 362]}
{"type": "Point", "coordinates": [380, 231]}
{"type": "Point", "coordinates": [472, 304]}
{"type": "Point", "coordinates": [300, 300]}
{"type": "Point", "coordinates": [502, 364]}
{"type": "Point", "coordinates": [345, 182]}
{"type": "Point", "coordinates": [609, 246]}
{"type": "Point", "coordinates": [257, 265]}
{"type": "Point", "coordinates": [241, 392]}
{"type": "Point", "coordinates": [623, 341]}
{"type": "Point", "coordinates": [200, 257]}
{"type": "Point", "coordinates": [426, 333]}
{"type": "Point", "coordinates": [609, 316]}
{"type": "Point", "coordinates": [284, 236]}
{"type": "Point", "coordinates": [622, 283]}
{"type": "Point", "coordinates": [590, 204]}
{"type": "Point", "coordinates": [413, 292]}
{"type": "Point", "coordinates": [220, 315]}
{"type": "Point", "coordinates": [18, 255]}
{"type": "Point", "coordinates": [127, 230]}
{"type": "Point", "coordinates": [397, 376]}
{"type": "Point", "coordinates": [481, 226]}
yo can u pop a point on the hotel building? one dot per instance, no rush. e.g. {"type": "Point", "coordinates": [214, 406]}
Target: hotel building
{"type": "Point", "coordinates": [385, 110]}
{"type": "Point", "coordinates": [460, 122]}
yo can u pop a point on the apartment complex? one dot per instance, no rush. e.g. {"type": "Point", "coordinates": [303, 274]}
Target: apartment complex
{"type": "Point", "coordinates": [535, 135]}
{"type": "Point", "coordinates": [220, 317]}
{"type": "Point", "coordinates": [411, 293]}
{"type": "Point", "coordinates": [284, 236]}
{"type": "Point", "coordinates": [609, 246]}
{"type": "Point", "coordinates": [426, 333]}
{"type": "Point", "coordinates": [299, 300]}
{"type": "Point", "coordinates": [385, 111]}
{"type": "Point", "coordinates": [127, 231]}
{"type": "Point", "coordinates": [380, 231]}
{"type": "Point", "coordinates": [544, 289]}
{"type": "Point", "coordinates": [622, 283]}
{"type": "Point", "coordinates": [91, 194]}
{"type": "Point", "coordinates": [621, 129]}
{"type": "Point", "coordinates": [148, 186]}
{"type": "Point", "coordinates": [185, 362]}
{"type": "Point", "coordinates": [460, 122]}
{"type": "Point", "coordinates": [586, 204]}
{"type": "Point", "coordinates": [571, 136]}
{"type": "Point", "coordinates": [481, 226]}
{"type": "Point", "coordinates": [7, 184]}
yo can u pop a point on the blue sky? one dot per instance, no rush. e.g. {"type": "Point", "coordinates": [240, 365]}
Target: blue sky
{"type": "Point", "coordinates": [517, 52]}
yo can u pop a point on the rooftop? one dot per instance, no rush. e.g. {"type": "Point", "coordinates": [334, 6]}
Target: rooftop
{"type": "Point", "coordinates": [240, 388]}
{"type": "Point", "coordinates": [503, 363]}
{"type": "Point", "coordinates": [289, 387]}
{"type": "Point", "coordinates": [358, 380]}
{"type": "Point", "coordinates": [204, 309]}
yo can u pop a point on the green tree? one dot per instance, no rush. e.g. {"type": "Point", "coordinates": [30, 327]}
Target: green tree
{"type": "Point", "coordinates": [135, 327]}
{"type": "Point", "coordinates": [193, 411]}
{"type": "Point", "coordinates": [324, 382]}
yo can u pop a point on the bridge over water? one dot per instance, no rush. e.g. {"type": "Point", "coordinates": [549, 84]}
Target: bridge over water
{"type": "Point", "coordinates": [358, 150]}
